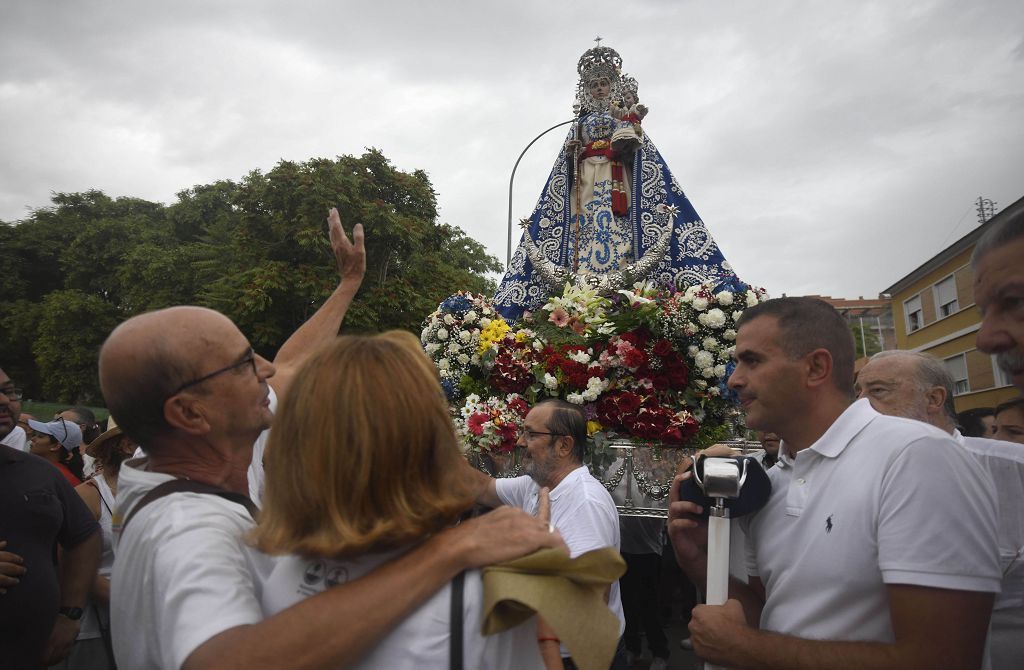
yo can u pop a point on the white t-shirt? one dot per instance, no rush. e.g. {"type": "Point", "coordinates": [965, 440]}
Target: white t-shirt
{"type": "Point", "coordinates": [421, 640]}
{"type": "Point", "coordinates": [255, 475]}
{"type": "Point", "coordinates": [182, 573]}
{"type": "Point", "coordinates": [583, 512]}
{"type": "Point", "coordinates": [1004, 462]}
{"type": "Point", "coordinates": [876, 500]}
{"type": "Point", "coordinates": [16, 439]}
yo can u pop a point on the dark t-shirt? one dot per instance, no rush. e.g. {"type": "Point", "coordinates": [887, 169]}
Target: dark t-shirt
{"type": "Point", "coordinates": [38, 511]}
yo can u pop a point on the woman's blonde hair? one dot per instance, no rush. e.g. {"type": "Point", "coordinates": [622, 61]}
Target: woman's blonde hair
{"type": "Point", "coordinates": [363, 455]}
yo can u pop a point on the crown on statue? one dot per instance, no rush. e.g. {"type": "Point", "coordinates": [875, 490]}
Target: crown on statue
{"type": "Point", "coordinates": [599, 62]}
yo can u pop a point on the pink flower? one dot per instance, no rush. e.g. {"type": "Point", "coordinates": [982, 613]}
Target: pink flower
{"type": "Point", "coordinates": [559, 317]}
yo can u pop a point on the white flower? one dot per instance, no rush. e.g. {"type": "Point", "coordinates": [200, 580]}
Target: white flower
{"type": "Point", "coordinates": [453, 347]}
{"type": "Point", "coordinates": [443, 365]}
{"type": "Point", "coordinates": [700, 304]}
{"type": "Point", "coordinates": [462, 359]}
{"type": "Point", "coordinates": [472, 398]}
{"type": "Point", "coordinates": [724, 355]}
{"type": "Point", "coordinates": [575, 398]}
{"type": "Point", "coordinates": [714, 391]}
{"type": "Point", "coordinates": [433, 347]}
{"type": "Point", "coordinates": [690, 329]}
{"type": "Point", "coordinates": [449, 319]}
{"type": "Point", "coordinates": [736, 315]}
{"type": "Point", "coordinates": [710, 343]}
{"type": "Point", "coordinates": [724, 298]}
{"type": "Point", "coordinates": [550, 381]}
{"type": "Point", "coordinates": [470, 317]}
{"type": "Point", "coordinates": [484, 322]}
{"type": "Point", "coordinates": [707, 373]}
{"type": "Point", "coordinates": [729, 334]}
{"type": "Point", "coordinates": [425, 334]}
{"type": "Point", "coordinates": [597, 383]}
{"type": "Point", "coordinates": [692, 350]}
{"type": "Point", "coordinates": [751, 298]}
{"type": "Point", "coordinates": [465, 335]}
{"type": "Point", "coordinates": [579, 356]}
{"type": "Point", "coordinates": [719, 370]}
{"type": "Point", "coordinates": [538, 345]}
{"type": "Point", "coordinates": [590, 395]}
{"type": "Point", "coordinates": [700, 383]}
{"type": "Point", "coordinates": [704, 359]}
{"type": "Point", "coordinates": [475, 359]}
{"type": "Point", "coordinates": [442, 334]}
{"type": "Point", "coordinates": [714, 318]}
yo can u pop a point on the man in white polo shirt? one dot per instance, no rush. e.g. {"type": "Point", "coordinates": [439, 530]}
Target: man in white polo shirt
{"type": "Point", "coordinates": [555, 436]}
{"type": "Point", "coordinates": [918, 386]}
{"type": "Point", "coordinates": [878, 545]}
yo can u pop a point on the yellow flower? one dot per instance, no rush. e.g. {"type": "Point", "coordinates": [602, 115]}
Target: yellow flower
{"type": "Point", "coordinates": [593, 427]}
{"type": "Point", "coordinates": [493, 333]}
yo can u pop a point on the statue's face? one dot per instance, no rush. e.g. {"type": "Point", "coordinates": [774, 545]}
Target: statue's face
{"type": "Point", "coordinates": [628, 99]}
{"type": "Point", "coordinates": [600, 88]}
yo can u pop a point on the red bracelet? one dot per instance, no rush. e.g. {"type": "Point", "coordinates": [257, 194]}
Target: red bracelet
{"type": "Point", "coordinates": [548, 639]}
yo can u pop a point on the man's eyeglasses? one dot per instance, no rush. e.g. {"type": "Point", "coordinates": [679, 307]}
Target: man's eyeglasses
{"type": "Point", "coordinates": [249, 359]}
{"type": "Point", "coordinates": [532, 434]}
{"type": "Point", "coordinates": [12, 393]}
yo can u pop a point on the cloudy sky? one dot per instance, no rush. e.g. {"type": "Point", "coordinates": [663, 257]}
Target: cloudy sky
{"type": "Point", "coordinates": [830, 147]}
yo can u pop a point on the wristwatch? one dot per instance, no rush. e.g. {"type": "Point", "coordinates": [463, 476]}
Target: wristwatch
{"type": "Point", "coordinates": [73, 613]}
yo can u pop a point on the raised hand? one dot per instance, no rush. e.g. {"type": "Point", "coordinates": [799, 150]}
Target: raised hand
{"type": "Point", "coordinates": [351, 256]}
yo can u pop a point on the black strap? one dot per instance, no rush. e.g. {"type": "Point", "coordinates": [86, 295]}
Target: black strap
{"type": "Point", "coordinates": [92, 482]}
{"type": "Point", "coordinates": [455, 639]}
{"type": "Point", "coordinates": [189, 486]}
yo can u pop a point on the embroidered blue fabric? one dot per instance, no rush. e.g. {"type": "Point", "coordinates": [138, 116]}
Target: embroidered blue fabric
{"type": "Point", "coordinates": [693, 258]}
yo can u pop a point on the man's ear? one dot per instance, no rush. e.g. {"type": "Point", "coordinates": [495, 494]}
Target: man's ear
{"type": "Point", "coordinates": [936, 397]}
{"type": "Point", "coordinates": [565, 445]}
{"type": "Point", "coordinates": [819, 368]}
{"type": "Point", "coordinates": [186, 414]}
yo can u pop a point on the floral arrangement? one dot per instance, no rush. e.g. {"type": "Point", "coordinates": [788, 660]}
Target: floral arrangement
{"type": "Point", "coordinates": [493, 422]}
{"type": "Point", "coordinates": [457, 332]}
{"type": "Point", "coordinates": [648, 363]}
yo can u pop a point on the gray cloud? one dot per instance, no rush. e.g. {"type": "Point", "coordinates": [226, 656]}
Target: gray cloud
{"type": "Point", "coordinates": [829, 147]}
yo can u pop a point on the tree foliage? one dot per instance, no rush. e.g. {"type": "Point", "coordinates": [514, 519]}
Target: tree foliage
{"type": "Point", "coordinates": [256, 250]}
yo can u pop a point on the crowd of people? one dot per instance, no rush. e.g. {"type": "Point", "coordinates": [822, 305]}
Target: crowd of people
{"type": "Point", "coordinates": [191, 535]}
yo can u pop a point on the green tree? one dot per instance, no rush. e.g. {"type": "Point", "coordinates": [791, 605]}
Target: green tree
{"type": "Point", "coordinates": [72, 326]}
{"type": "Point", "coordinates": [865, 336]}
{"type": "Point", "coordinates": [256, 249]}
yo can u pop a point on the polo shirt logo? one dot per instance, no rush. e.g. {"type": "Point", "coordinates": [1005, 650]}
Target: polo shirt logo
{"type": "Point", "coordinates": [828, 524]}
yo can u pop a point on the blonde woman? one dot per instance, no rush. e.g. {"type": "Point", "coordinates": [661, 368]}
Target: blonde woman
{"type": "Point", "coordinates": [362, 465]}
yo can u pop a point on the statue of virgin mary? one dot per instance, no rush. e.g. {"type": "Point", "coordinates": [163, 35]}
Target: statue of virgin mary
{"type": "Point", "coordinates": [611, 213]}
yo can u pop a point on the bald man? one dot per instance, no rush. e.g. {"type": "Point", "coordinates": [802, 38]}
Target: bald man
{"type": "Point", "coordinates": [917, 386]}
{"type": "Point", "coordinates": [186, 384]}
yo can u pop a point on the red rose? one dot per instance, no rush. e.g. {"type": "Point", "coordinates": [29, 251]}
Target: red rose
{"type": "Point", "coordinates": [662, 348]}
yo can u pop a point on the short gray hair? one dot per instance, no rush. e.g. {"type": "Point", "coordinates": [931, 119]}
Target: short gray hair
{"type": "Point", "coordinates": [929, 372]}
{"type": "Point", "coordinates": [1008, 228]}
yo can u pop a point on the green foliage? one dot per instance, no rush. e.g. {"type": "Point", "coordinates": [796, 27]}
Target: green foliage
{"type": "Point", "coordinates": [256, 249]}
{"type": "Point", "coordinates": [870, 339]}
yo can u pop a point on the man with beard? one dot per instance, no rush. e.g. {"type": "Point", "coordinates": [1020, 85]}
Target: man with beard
{"type": "Point", "coordinates": [555, 437]}
{"type": "Point", "coordinates": [998, 263]}
{"type": "Point", "coordinates": [40, 601]}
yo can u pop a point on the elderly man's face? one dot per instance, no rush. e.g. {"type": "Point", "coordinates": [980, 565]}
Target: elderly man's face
{"type": "Point", "coordinates": [890, 386]}
{"type": "Point", "coordinates": [10, 409]}
{"type": "Point", "coordinates": [999, 294]}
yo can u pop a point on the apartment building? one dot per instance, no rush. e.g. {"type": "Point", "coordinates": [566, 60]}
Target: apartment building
{"type": "Point", "coordinates": [933, 311]}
